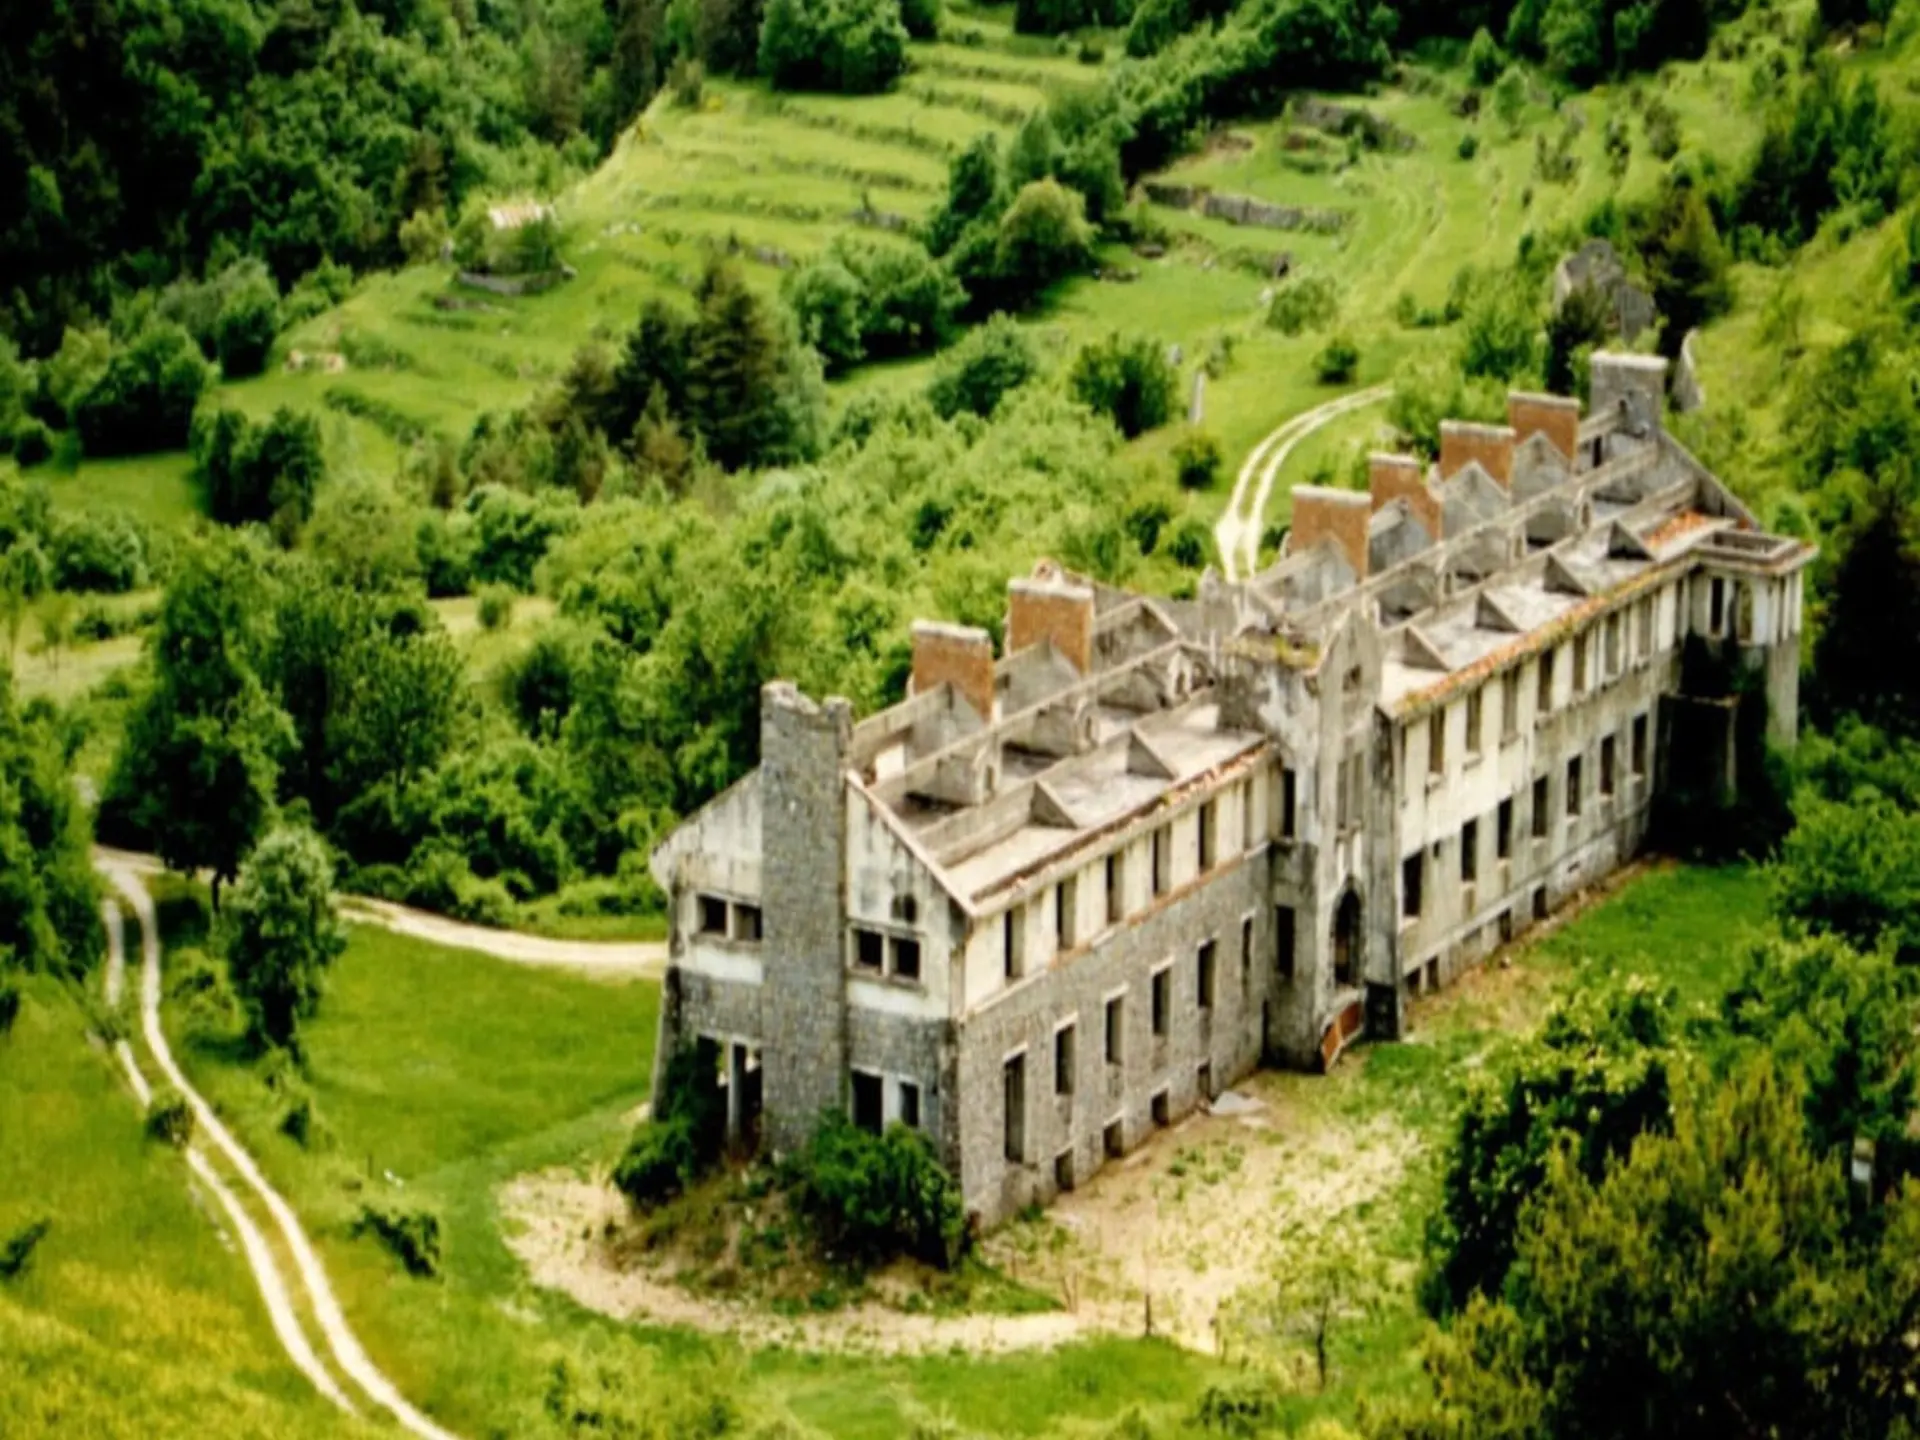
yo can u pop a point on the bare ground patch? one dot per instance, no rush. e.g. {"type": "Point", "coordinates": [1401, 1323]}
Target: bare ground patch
{"type": "Point", "coordinates": [1164, 1239]}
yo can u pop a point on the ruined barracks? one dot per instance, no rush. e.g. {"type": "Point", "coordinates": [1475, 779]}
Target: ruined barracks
{"type": "Point", "coordinates": [1057, 898]}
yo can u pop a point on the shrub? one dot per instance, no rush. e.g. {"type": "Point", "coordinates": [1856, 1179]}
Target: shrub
{"type": "Point", "coordinates": [248, 320]}
{"type": "Point", "coordinates": [259, 474]}
{"type": "Point", "coordinates": [1305, 302]}
{"type": "Point", "coordinates": [1337, 361]}
{"type": "Point", "coordinates": [682, 1139]}
{"type": "Point", "coordinates": [441, 880]}
{"type": "Point", "coordinates": [20, 1245]}
{"type": "Point", "coordinates": [1189, 544]}
{"type": "Point", "coordinates": [872, 1197]}
{"type": "Point", "coordinates": [856, 47]}
{"type": "Point", "coordinates": [1502, 337]}
{"type": "Point", "coordinates": [1044, 236]}
{"type": "Point", "coordinates": [9, 1004]}
{"type": "Point", "coordinates": [32, 442]}
{"type": "Point", "coordinates": [1128, 379]}
{"type": "Point", "coordinates": [496, 607]}
{"type": "Point", "coordinates": [660, 1162]}
{"type": "Point", "coordinates": [1196, 460]}
{"type": "Point", "coordinates": [975, 374]}
{"type": "Point", "coordinates": [170, 1118]}
{"type": "Point", "coordinates": [1484, 60]}
{"type": "Point", "coordinates": [144, 398]}
{"type": "Point", "coordinates": [922, 18]}
{"type": "Point", "coordinates": [687, 81]}
{"type": "Point", "coordinates": [98, 551]}
{"type": "Point", "coordinates": [1469, 145]}
{"type": "Point", "coordinates": [423, 235]}
{"type": "Point", "coordinates": [413, 1236]}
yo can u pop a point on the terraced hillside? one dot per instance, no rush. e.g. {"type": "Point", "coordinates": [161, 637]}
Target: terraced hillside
{"type": "Point", "coordinates": [776, 178]}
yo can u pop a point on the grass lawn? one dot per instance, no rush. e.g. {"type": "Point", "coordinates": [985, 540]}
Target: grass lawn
{"type": "Point", "coordinates": [136, 1316]}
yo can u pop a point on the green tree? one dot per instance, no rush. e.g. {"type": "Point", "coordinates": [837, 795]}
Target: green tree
{"type": "Point", "coordinates": [248, 319]}
{"type": "Point", "coordinates": [828, 305]}
{"type": "Point", "coordinates": [1578, 324]}
{"type": "Point", "coordinates": [749, 391]}
{"type": "Point", "coordinates": [1714, 1283]}
{"type": "Point", "coordinates": [1867, 657]}
{"type": "Point", "coordinates": [1687, 267]}
{"type": "Point", "coordinates": [1128, 379]}
{"type": "Point", "coordinates": [1484, 60]}
{"type": "Point", "coordinates": [144, 399]}
{"type": "Point", "coordinates": [1842, 1019]}
{"type": "Point", "coordinates": [280, 932]}
{"type": "Point", "coordinates": [259, 473]}
{"type": "Point", "coordinates": [975, 374]}
{"type": "Point", "coordinates": [922, 18]}
{"type": "Point", "coordinates": [1043, 237]}
{"type": "Point", "coordinates": [196, 771]}
{"type": "Point", "coordinates": [1035, 153]}
{"type": "Point", "coordinates": [1852, 870]}
{"type": "Point", "coordinates": [975, 192]}
{"type": "Point", "coordinates": [654, 358]}
{"type": "Point", "coordinates": [1598, 1076]}
{"type": "Point", "coordinates": [1501, 340]}
{"type": "Point", "coordinates": [49, 894]}
{"type": "Point", "coordinates": [858, 47]}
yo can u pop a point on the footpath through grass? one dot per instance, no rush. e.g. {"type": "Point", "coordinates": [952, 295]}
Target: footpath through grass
{"type": "Point", "coordinates": [136, 1315]}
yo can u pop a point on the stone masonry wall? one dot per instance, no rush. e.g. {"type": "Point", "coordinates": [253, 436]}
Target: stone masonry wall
{"type": "Point", "coordinates": [1224, 1037]}
{"type": "Point", "coordinates": [803, 1002]}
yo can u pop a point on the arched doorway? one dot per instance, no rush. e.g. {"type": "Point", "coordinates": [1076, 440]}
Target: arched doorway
{"type": "Point", "coordinates": [1346, 940]}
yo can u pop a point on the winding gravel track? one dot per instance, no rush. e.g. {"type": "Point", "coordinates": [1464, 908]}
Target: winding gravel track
{"type": "Point", "coordinates": [341, 1341]}
{"type": "Point", "coordinates": [634, 958]}
{"type": "Point", "coordinates": [266, 1270]}
{"type": "Point", "coordinates": [1237, 534]}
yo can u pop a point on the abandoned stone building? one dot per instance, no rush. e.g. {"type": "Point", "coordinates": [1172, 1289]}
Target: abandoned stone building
{"type": "Point", "coordinates": [1057, 898]}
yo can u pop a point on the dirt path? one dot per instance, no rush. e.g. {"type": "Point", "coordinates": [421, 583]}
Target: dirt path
{"type": "Point", "coordinates": [266, 1270]}
{"type": "Point", "coordinates": [613, 958]}
{"type": "Point", "coordinates": [341, 1341]}
{"type": "Point", "coordinates": [1237, 534]}
{"type": "Point", "coordinates": [558, 1224]}
{"type": "Point", "coordinates": [1174, 1236]}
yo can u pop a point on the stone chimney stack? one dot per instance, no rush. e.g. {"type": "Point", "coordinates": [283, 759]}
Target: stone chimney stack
{"type": "Point", "coordinates": [1403, 477]}
{"type": "Point", "coordinates": [1462, 441]}
{"type": "Point", "coordinates": [956, 655]}
{"type": "Point", "coordinates": [1320, 514]}
{"type": "Point", "coordinates": [1554, 416]}
{"type": "Point", "coordinates": [1048, 605]}
{"type": "Point", "coordinates": [1636, 382]}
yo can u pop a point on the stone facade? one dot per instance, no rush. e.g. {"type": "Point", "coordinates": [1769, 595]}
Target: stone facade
{"type": "Point", "coordinates": [1055, 900]}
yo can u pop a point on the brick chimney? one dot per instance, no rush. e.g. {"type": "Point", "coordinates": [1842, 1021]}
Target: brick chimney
{"type": "Point", "coordinates": [1047, 605]}
{"type": "Point", "coordinates": [1320, 514]}
{"type": "Point", "coordinates": [1403, 477]}
{"type": "Point", "coordinates": [957, 655]}
{"type": "Point", "coordinates": [1554, 416]}
{"type": "Point", "coordinates": [1462, 441]}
